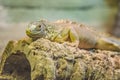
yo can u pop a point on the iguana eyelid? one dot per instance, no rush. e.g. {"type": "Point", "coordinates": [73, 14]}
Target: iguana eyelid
{"type": "Point", "coordinates": [39, 27]}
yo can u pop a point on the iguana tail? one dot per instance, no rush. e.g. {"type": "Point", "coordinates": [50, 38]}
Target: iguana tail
{"type": "Point", "coordinates": [108, 44]}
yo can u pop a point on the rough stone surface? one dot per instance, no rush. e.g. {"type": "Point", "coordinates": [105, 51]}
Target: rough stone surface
{"type": "Point", "coordinates": [45, 60]}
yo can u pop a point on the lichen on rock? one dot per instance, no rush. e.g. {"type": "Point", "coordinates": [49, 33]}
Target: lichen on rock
{"type": "Point", "coordinates": [46, 60]}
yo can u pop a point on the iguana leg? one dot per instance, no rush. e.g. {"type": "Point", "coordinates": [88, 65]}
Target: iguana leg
{"type": "Point", "coordinates": [74, 38]}
{"type": "Point", "coordinates": [62, 36]}
{"type": "Point", "coordinates": [108, 44]}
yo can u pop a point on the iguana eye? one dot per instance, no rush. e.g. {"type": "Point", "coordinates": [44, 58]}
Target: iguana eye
{"type": "Point", "coordinates": [39, 26]}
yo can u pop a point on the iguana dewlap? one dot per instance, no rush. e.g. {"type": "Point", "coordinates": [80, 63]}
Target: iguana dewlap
{"type": "Point", "coordinates": [74, 33]}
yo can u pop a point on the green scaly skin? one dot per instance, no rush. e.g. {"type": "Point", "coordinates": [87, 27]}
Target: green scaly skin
{"type": "Point", "coordinates": [72, 33]}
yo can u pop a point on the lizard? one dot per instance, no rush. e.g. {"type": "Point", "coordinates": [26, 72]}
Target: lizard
{"type": "Point", "coordinates": [72, 33]}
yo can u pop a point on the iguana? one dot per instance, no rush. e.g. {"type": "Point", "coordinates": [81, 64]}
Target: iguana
{"type": "Point", "coordinates": [75, 34]}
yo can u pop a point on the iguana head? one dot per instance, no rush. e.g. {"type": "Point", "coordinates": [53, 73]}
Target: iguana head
{"type": "Point", "coordinates": [41, 29]}
{"type": "Point", "coordinates": [36, 29]}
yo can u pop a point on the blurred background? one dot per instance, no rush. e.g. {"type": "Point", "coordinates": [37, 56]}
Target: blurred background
{"type": "Point", "coordinates": [16, 14]}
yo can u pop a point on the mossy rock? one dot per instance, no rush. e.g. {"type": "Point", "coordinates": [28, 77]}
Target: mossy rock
{"type": "Point", "coordinates": [45, 60]}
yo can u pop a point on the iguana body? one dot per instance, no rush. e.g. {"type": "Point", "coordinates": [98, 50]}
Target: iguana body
{"type": "Point", "coordinates": [70, 32]}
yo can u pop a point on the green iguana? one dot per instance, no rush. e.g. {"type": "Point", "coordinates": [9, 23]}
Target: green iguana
{"type": "Point", "coordinates": [73, 33]}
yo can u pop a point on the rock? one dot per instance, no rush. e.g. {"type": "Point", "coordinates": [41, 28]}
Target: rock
{"type": "Point", "coordinates": [45, 60]}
